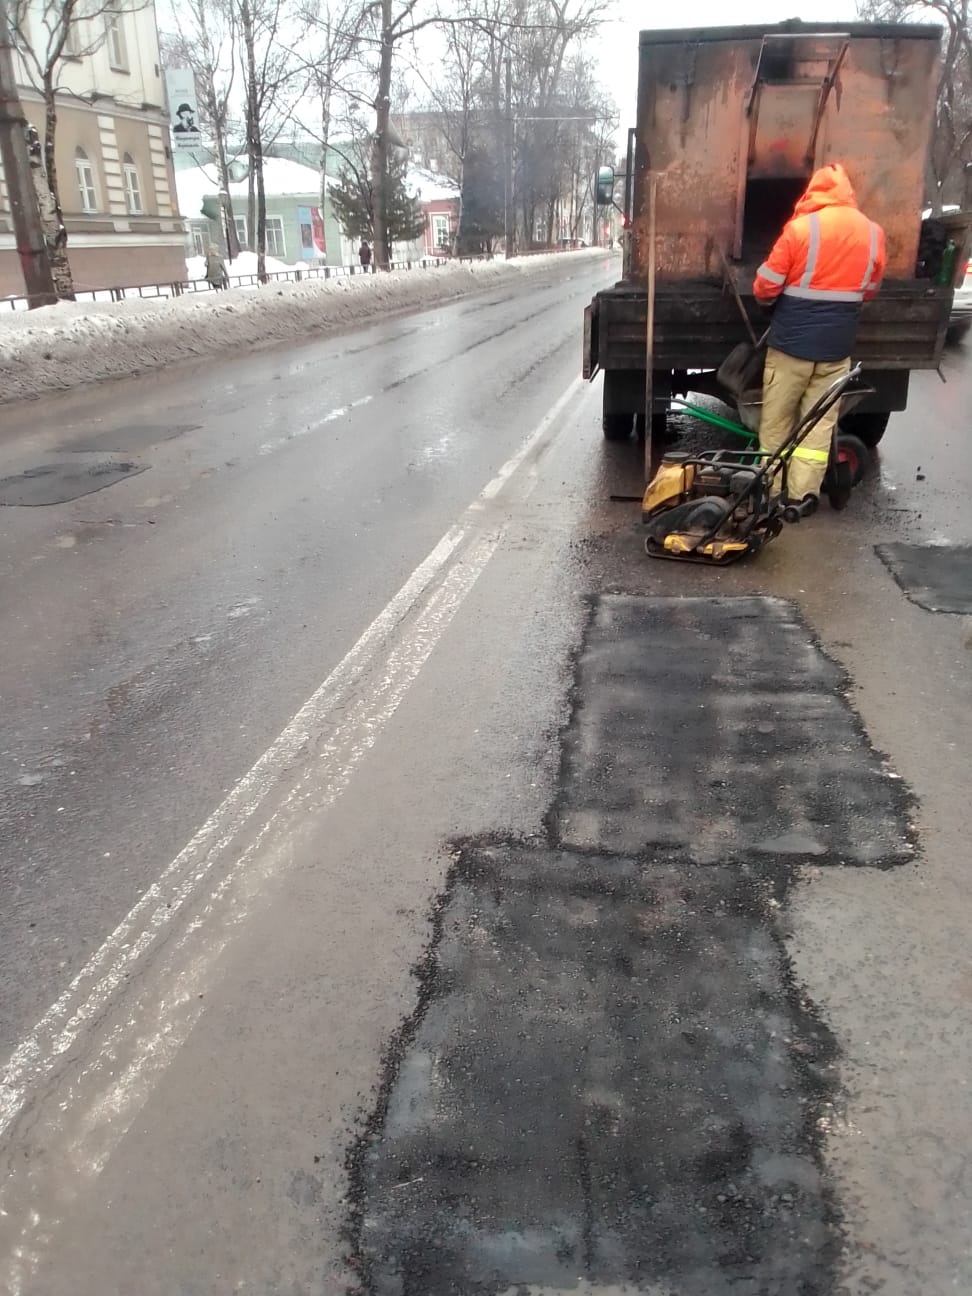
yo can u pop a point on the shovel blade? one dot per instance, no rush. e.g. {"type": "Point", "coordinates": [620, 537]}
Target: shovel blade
{"type": "Point", "coordinates": [742, 369]}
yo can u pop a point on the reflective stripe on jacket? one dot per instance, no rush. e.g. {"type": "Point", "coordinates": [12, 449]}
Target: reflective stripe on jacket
{"type": "Point", "coordinates": [827, 261]}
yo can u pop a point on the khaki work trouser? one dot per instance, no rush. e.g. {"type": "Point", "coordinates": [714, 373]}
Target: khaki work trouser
{"type": "Point", "coordinates": [790, 387]}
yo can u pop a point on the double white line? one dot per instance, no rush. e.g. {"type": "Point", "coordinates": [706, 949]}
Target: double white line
{"type": "Point", "coordinates": [128, 1031]}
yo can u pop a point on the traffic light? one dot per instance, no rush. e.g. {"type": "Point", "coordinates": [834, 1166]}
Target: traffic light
{"type": "Point", "coordinates": [605, 186]}
{"type": "Point", "coordinates": [212, 209]}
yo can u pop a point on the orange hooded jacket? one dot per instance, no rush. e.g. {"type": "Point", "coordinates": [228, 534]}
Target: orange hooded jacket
{"type": "Point", "coordinates": [827, 261]}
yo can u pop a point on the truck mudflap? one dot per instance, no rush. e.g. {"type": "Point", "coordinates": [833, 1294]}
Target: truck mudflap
{"type": "Point", "coordinates": [591, 363]}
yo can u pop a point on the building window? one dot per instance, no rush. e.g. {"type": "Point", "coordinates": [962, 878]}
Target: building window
{"type": "Point", "coordinates": [240, 223]}
{"type": "Point", "coordinates": [133, 193]}
{"type": "Point", "coordinates": [117, 48]}
{"type": "Point", "coordinates": [440, 233]}
{"type": "Point", "coordinates": [73, 44]}
{"type": "Point", "coordinates": [20, 24]}
{"type": "Point", "coordinates": [86, 181]}
{"type": "Point", "coordinates": [199, 242]}
{"type": "Point", "coordinates": [275, 236]}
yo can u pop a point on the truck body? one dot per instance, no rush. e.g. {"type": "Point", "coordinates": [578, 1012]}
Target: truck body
{"type": "Point", "coordinates": [732, 122]}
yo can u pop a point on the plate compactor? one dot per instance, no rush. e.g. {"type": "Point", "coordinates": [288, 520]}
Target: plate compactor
{"type": "Point", "coordinates": [720, 505]}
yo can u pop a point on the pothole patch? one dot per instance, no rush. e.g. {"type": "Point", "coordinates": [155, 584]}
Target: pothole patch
{"type": "Point", "coordinates": [59, 483]}
{"type": "Point", "coordinates": [610, 1080]}
{"type": "Point", "coordinates": [718, 728]}
{"type": "Point", "coordinates": [936, 577]}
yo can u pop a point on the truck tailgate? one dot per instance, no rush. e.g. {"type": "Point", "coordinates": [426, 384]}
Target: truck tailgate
{"type": "Point", "coordinates": [697, 324]}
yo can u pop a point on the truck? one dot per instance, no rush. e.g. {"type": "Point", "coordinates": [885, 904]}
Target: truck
{"type": "Point", "coordinates": [731, 123]}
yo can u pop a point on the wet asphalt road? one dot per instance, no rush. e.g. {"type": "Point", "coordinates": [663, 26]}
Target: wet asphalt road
{"type": "Point", "coordinates": [573, 935]}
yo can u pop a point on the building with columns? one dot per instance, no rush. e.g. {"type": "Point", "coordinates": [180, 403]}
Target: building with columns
{"type": "Point", "coordinates": [113, 156]}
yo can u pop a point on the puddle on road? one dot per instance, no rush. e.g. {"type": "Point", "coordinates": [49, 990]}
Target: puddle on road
{"type": "Point", "coordinates": [610, 1083]}
{"type": "Point", "coordinates": [128, 440]}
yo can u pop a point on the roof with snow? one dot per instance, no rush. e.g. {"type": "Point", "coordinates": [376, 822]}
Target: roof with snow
{"type": "Point", "coordinates": [429, 186]}
{"type": "Point", "coordinates": [281, 178]}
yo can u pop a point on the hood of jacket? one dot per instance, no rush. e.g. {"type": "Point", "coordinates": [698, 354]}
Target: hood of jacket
{"type": "Point", "coordinates": [828, 187]}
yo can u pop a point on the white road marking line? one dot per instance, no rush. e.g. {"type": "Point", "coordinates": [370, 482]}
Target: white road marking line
{"type": "Point", "coordinates": [332, 416]}
{"type": "Point", "coordinates": [94, 1110]}
{"type": "Point", "coordinates": [54, 1034]}
{"type": "Point", "coordinates": [89, 993]}
{"type": "Point", "coordinates": [492, 489]}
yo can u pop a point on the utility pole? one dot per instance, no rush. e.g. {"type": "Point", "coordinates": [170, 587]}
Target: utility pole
{"type": "Point", "coordinates": [595, 219]}
{"type": "Point", "coordinates": [510, 209]}
{"type": "Point", "coordinates": [28, 231]}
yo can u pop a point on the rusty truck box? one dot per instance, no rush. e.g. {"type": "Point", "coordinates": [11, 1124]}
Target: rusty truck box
{"type": "Point", "coordinates": [732, 121]}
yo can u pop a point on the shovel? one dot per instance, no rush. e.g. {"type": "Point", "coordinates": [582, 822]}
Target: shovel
{"type": "Point", "coordinates": [742, 369]}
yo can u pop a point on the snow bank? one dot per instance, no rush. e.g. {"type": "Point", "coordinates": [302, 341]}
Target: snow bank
{"type": "Point", "coordinates": [80, 342]}
{"type": "Point", "coordinates": [245, 264]}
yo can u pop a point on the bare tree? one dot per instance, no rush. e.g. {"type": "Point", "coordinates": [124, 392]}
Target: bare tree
{"type": "Point", "coordinates": [392, 27]}
{"type": "Point", "coordinates": [454, 95]}
{"type": "Point", "coordinates": [389, 29]}
{"type": "Point", "coordinates": [49, 34]}
{"type": "Point", "coordinates": [268, 76]}
{"type": "Point", "coordinates": [583, 142]}
{"type": "Point", "coordinates": [327, 53]}
{"type": "Point", "coordinates": [950, 159]}
{"type": "Point", "coordinates": [527, 39]}
{"type": "Point", "coordinates": [207, 43]}
{"type": "Point", "coordinates": [543, 36]}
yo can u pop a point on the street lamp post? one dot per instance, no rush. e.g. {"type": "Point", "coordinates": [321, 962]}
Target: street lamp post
{"type": "Point", "coordinates": [510, 222]}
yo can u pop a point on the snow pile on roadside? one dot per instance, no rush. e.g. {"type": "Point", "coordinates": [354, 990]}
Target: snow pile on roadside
{"type": "Point", "coordinates": [80, 342]}
{"type": "Point", "coordinates": [245, 264]}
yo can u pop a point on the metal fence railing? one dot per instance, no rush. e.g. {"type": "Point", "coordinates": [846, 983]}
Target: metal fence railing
{"type": "Point", "coordinates": [295, 275]}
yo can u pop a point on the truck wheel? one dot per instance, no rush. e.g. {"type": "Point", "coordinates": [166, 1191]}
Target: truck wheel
{"type": "Point", "coordinates": [869, 428]}
{"type": "Point", "coordinates": [616, 427]}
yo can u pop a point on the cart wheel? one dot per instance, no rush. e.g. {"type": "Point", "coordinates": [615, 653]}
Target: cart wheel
{"type": "Point", "coordinates": [840, 486]}
{"type": "Point", "coordinates": [852, 451]}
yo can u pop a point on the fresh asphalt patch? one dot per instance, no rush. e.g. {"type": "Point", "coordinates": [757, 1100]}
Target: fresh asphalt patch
{"type": "Point", "coordinates": [716, 726]}
{"type": "Point", "coordinates": [59, 483]}
{"type": "Point", "coordinates": [936, 577]}
{"type": "Point", "coordinates": [611, 1080]}
{"type": "Point", "coordinates": [611, 1083]}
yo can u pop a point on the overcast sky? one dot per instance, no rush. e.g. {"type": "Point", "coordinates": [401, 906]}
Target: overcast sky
{"type": "Point", "coordinates": [619, 40]}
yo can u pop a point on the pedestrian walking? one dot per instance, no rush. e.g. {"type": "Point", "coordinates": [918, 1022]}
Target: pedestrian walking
{"type": "Point", "coordinates": [216, 275]}
{"type": "Point", "coordinates": [828, 260]}
{"type": "Point", "coordinates": [364, 255]}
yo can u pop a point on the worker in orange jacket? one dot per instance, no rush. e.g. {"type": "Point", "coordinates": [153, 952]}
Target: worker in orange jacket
{"type": "Point", "coordinates": [827, 261]}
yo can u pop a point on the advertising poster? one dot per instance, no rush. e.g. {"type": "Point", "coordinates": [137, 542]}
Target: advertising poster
{"type": "Point", "coordinates": [180, 85]}
{"type": "Point", "coordinates": [312, 244]}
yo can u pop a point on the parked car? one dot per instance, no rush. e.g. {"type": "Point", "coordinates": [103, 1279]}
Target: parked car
{"type": "Point", "coordinates": [960, 320]}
